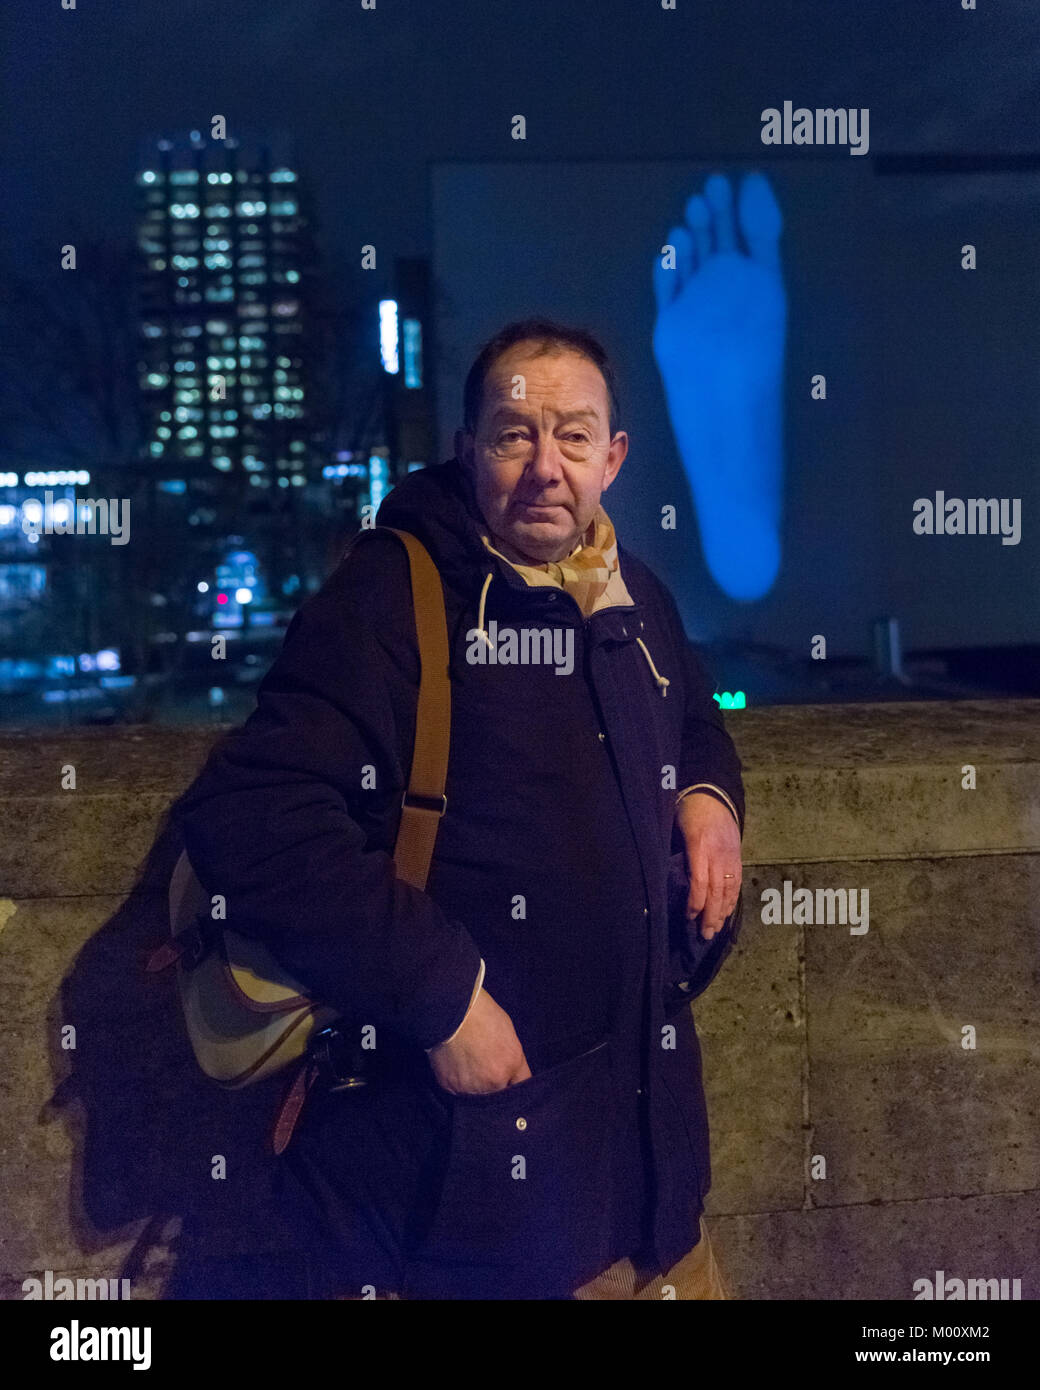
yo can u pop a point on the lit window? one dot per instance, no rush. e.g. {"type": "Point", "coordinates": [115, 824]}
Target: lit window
{"type": "Point", "coordinates": [411, 332]}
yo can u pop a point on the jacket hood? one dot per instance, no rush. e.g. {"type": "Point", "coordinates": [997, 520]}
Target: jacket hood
{"type": "Point", "coordinates": [437, 505]}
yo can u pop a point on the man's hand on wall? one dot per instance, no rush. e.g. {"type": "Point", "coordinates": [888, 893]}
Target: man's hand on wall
{"type": "Point", "coordinates": [484, 1055]}
{"type": "Point", "coordinates": [712, 846]}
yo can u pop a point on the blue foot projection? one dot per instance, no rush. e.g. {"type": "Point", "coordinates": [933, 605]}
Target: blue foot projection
{"type": "Point", "coordinates": [719, 345]}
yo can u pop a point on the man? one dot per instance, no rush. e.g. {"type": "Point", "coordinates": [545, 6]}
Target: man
{"type": "Point", "coordinates": [534, 1124]}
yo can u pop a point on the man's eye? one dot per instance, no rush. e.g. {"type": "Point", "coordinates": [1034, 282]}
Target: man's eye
{"type": "Point", "coordinates": [580, 438]}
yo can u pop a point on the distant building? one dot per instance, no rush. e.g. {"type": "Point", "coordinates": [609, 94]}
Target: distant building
{"type": "Point", "coordinates": [406, 350]}
{"type": "Point", "coordinates": [229, 361]}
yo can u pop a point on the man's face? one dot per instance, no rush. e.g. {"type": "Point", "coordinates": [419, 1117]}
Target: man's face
{"type": "Point", "coordinates": [539, 465]}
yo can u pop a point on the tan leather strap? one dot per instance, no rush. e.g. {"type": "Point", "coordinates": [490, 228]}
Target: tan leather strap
{"type": "Point", "coordinates": [424, 801]}
{"type": "Point", "coordinates": [413, 849]}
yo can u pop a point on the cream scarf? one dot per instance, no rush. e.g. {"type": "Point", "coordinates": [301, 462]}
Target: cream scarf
{"type": "Point", "coordinates": [590, 573]}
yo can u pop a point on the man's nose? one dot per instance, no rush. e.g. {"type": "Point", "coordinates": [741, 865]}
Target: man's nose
{"type": "Point", "coordinates": [544, 465]}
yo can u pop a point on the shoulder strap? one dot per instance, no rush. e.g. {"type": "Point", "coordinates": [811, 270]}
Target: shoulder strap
{"type": "Point", "coordinates": [424, 802]}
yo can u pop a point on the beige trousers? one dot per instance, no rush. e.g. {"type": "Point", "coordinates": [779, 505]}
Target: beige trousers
{"type": "Point", "coordinates": [695, 1276]}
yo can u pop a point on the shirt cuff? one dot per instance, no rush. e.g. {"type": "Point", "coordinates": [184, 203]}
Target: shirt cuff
{"type": "Point", "coordinates": [712, 790]}
{"type": "Point", "coordinates": [472, 1000]}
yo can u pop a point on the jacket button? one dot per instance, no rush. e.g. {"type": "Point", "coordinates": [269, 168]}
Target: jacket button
{"type": "Point", "coordinates": [639, 1090]}
{"type": "Point", "coordinates": [646, 912]}
{"type": "Point", "coordinates": [521, 1123]}
{"type": "Point", "coordinates": [602, 737]}
{"type": "Point", "coordinates": [552, 598]}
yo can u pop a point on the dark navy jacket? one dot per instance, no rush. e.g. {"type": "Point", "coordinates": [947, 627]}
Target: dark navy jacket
{"type": "Point", "coordinates": [557, 862]}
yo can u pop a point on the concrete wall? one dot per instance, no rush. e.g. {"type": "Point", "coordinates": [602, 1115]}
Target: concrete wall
{"type": "Point", "coordinates": [817, 1042]}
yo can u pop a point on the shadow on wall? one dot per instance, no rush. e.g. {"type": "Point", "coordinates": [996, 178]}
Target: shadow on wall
{"type": "Point", "coordinates": [147, 1126]}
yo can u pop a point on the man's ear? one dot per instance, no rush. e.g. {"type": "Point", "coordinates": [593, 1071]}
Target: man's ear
{"type": "Point", "coordinates": [615, 458]}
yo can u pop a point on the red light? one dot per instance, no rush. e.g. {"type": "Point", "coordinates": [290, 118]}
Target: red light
{"type": "Point", "coordinates": [222, 598]}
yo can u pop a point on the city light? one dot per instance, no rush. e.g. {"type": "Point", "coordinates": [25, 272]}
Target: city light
{"type": "Point", "coordinates": [202, 587]}
{"type": "Point", "coordinates": [243, 595]}
{"type": "Point", "coordinates": [412, 334]}
{"type": "Point", "coordinates": [344, 470]}
{"type": "Point", "coordinates": [388, 334]}
{"type": "Point", "coordinates": [51, 479]}
{"type": "Point", "coordinates": [379, 479]}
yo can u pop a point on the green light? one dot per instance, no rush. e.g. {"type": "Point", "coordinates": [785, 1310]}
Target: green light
{"type": "Point", "coordinates": [727, 700]}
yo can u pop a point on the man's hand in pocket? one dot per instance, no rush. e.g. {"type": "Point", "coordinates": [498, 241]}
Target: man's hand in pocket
{"type": "Point", "coordinates": [484, 1055]}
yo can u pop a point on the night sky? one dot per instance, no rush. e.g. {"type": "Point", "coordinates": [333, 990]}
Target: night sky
{"type": "Point", "coordinates": [370, 98]}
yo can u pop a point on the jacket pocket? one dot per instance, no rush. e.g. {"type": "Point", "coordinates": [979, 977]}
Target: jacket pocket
{"type": "Point", "coordinates": [529, 1177]}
